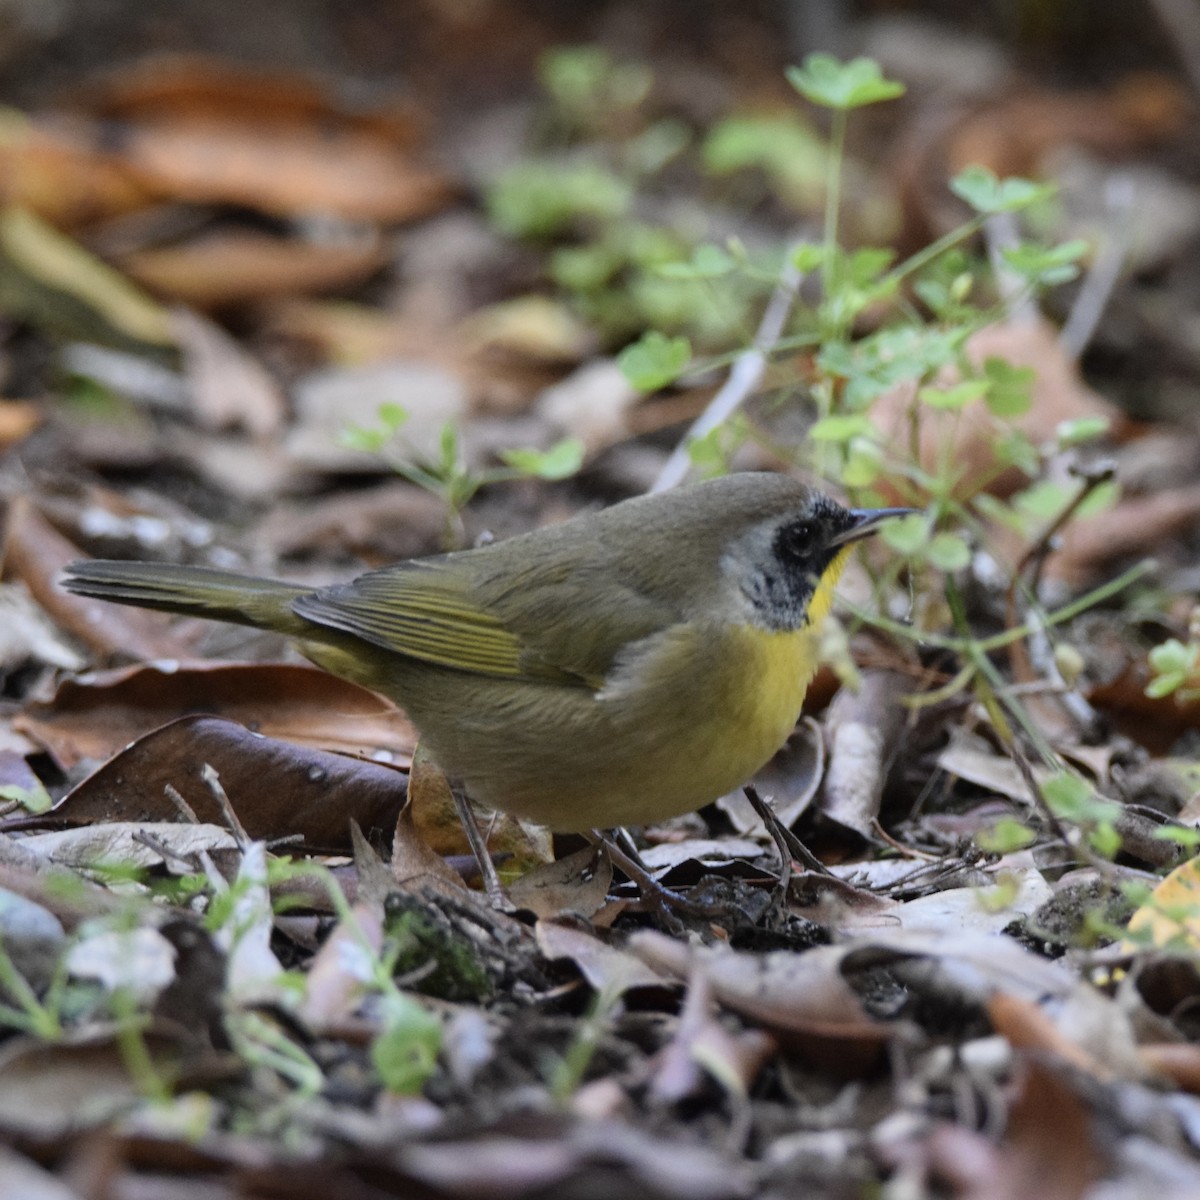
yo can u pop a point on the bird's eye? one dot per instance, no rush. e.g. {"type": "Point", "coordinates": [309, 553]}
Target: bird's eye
{"type": "Point", "coordinates": [799, 539]}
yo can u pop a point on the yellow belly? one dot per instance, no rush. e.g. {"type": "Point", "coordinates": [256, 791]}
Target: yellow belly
{"type": "Point", "coordinates": [691, 724]}
{"type": "Point", "coordinates": [681, 742]}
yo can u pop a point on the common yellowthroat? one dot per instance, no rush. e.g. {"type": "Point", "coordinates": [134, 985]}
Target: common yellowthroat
{"type": "Point", "coordinates": [626, 666]}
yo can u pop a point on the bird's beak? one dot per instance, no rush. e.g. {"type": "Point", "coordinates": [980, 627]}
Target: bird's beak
{"type": "Point", "coordinates": [866, 521]}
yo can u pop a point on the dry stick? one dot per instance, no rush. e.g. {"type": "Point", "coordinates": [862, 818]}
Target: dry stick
{"type": "Point", "coordinates": [1079, 846]}
{"type": "Point", "coordinates": [1000, 233]}
{"type": "Point", "coordinates": [213, 782]}
{"type": "Point", "coordinates": [164, 851]}
{"type": "Point", "coordinates": [184, 809]}
{"type": "Point", "coordinates": [1098, 284]}
{"type": "Point", "coordinates": [1033, 561]}
{"type": "Point", "coordinates": [1179, 19]}
{"type": "Point", "coordinates": [744, 377]}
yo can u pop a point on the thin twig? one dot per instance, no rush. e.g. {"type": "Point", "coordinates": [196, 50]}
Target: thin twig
{"type": "Point", "coordinates": [1032, 563]}
{"type": "Point", "coordinates": [184, 809]}
{"type": "Point", "coordinates": [213, 782]}
{"type": "Point", "coordinates": [1098, 284]}
{"type": "Point", "coordinates": [744, 377]}
{"type": "Point", "coordinates": [1001, 233]}
{"type": "Point", "coordinates": [1178, 17]}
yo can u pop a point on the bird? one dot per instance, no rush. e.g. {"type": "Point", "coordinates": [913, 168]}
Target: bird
{"type": "Point", "coordinates": [625, 666]}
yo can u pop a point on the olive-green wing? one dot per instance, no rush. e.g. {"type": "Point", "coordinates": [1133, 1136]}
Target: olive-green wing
{"type": "Point", "coordinates": [536, 622]}
{"type": "Point", "coordinates": [420, 611]}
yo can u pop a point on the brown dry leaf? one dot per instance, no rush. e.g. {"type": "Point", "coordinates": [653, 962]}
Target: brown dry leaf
{"type": "Point", "coordinates": [1050, 1149]}
{"type": "Point", "coordinates": [1177, 1061]}
{"type": "Point", "coordinates": [414, 860]}
{"type": "Point", "coordinates": [238, 267]}
{"type": "Point", "coordinates": [337, 331]}
{"type": "Point", "coordinates": [1059, 394]}
{"type": "Point", "coordinates": [215, 132]}
{"type": "Point", "coordinates": [230, 389]}
{"type": "Point", "coordinates": [91, 718]}
{"type": "Point", "coordinates": [35, 552]}
{"type": "Point", "coordinates": [576, 884]}
{"type": "Point", "coordinates": [863, 731]}
{"type": "Point", "coordinates": [190, 84]}
{"type": "Point", "coordinates": [1026, 1027]}
{"type": "Point", "coordinates": [1013, 136]}
{"type": "Point", "coordinates": [535, 327]}
{"type": "Point", "coordinates": [332, 987]}
{"type": "Point", "coordinates": [49, 1091]}
{"type": "Point", "coordinates": [1130, 527]}
{"type": "Point", "coordinates": [1016, 133]}
{"type": "Point", "coordinates": [1155, 722]}
{"type": "Point", "coordinates": [18, 419]}
{"type": "Point", "coordinates": [282, 169]}
{"type": "Point", "coordinates": [607, 969]}
{"type": "Point", "coordinates": [276, 788]}
{"type": "Point", "coordinates": [518, 846]}
{"type": "Point", "coordinates": [802, 998]}
{"type": "Point", "coordinates": [47, 167]}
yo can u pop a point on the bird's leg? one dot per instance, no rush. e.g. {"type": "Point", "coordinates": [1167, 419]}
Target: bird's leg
{"type": "Point", "coordinates": [620, 836]}
{"type": "Point", "coordinates": [491, 879]}
{"type": "Point", "coordinates": [786, 842]}
{"type": "Point", "coordinates": [648, 887]}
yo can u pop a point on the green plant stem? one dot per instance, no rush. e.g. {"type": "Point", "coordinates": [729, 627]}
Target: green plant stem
{"type": "Point", "coordinates": [1000, 640]}
{"type": "Point", "coordinates": [927, 254]}
{"type": "Point", "coordinates": [833, 200]}
{"type": "Point", "coordinates": [32, 1016]}
{"type": "Point", "coordinates": [135, 1053]}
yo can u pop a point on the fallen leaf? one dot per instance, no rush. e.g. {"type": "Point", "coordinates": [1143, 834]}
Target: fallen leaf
{"type": "Point", "coordinates": [607, 969]}
{"type": "Point", "coordinates": [237, 266]}
{"type": "Point", "coordinates": [35, 552]}
{"type": "Point", "coordinates": [1170, 918]}
{"type": "Point", "coordinates": [124, 845]}
{"type": "Point", "coordinates": [519, 847]}
{"type": "Point", "coordinates": [49, 167]}
{"type": "Point", "coordinates": [51, 1090]}
{"type": "Point", "coordinates": [277, 789]}
{"type": "Point", "coordinates": [577, 884]}
{"type": "Point", "coordinates": [863, 730]}
{"type": "Point", "coordinates": [229, 388]}
{"type": "Point", "coordinates": [802, 995]}
{"type": "Point", "coordinates": [91, 718]}
{"type": "Point", "coordinates": [139, 961]}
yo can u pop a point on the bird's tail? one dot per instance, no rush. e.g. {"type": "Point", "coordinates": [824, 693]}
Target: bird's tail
{"type": "Point", "coordinates": [196, 591]}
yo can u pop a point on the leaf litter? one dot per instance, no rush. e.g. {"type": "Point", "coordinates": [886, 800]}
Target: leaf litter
{"type": "Point", "coordinates": [285, 983]}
